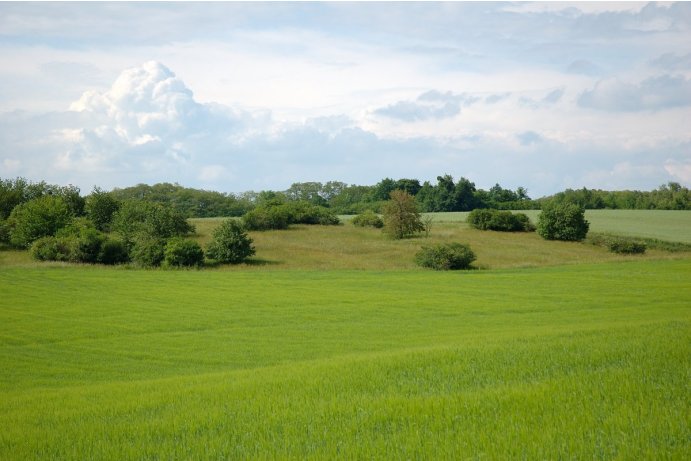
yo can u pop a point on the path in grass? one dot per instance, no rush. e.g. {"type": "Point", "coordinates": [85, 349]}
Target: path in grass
{"type": "Point", "coordinates": [582, 361]}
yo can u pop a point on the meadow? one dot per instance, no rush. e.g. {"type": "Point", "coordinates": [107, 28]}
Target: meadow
{"type": "Point", "coordinates": [551, 351]}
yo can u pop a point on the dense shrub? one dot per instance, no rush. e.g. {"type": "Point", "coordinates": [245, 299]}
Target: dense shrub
{"type": "Point", "coordinates": [230, 243]}
{"type": "Point", "coordinates": [368, 219]}
{"type": "Point", "coordinates": [51, 249]}
{"type": "Point", "coordinates": [563, 221]}
{"type": "Point", "coordinates": [496, 220]}
{"type": "Point", "coordinates": [4, 231]}
{"type": "Point", "coordinates": [113, 252]}
{"type": "Point", "coordinates": [148, 251]}
{"type": "Point", "coordinates": [38, 218]}
{"type": "Point", "coordinates": [449, 256]}
{"type": "Point", "coordinates": [266, 218]}
{"type": "Point", "coordinates": [84, 240]}
{"type": "Point", "coordinates": [302, 212]}
{"type": "Point", "coordinates": [183, 252]}
{"type": "Point", "coordinates": [135, 218]}
{"type": "Point", "coordinates": [623, 246]}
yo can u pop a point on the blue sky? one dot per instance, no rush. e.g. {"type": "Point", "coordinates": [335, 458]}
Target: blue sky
{"type": "Point", "coordinates": [251, 96]}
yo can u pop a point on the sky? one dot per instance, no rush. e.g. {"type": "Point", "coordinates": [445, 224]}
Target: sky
{"type": "Point", "coordinates": [256, 96]}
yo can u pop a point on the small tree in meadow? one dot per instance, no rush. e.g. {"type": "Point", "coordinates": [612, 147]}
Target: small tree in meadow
{"type": "Point", "coordinates": [563, 221]}
{"type": "Point", "coordinates": [230, 243]}
{"type": "Point", "coordinates": [401, 216]}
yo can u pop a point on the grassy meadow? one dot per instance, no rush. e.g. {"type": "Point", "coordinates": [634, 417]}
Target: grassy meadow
{"type": "Point", "coordinates": [331, 344]}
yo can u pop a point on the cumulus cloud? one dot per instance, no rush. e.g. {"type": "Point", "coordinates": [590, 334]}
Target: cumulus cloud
{"type": "Point", "coordinates": [428, 106]}
{"type": "Point", "coordinates": [656, 93]}
{"type": "Point", "coordinates": [672, 62]}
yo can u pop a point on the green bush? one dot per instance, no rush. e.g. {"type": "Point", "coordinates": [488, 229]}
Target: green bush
{"type": "Point", "coordinates": [4, 231]}
{"type": "Point", "coordinates": [622, 246]}
{"type": "Point", "coordinates": [100, 207]}
{"type": "Point", "coordinates": [562, 221]}
{"type": "Point", "coordinates": [496, 220]}
{"type": "Point", "coordinates": [183, 252]}
{"type": "Point", "coordinates": [368, 219]}
{"type": "Point", "coordinates": [266, 218]}
{"type": "Point", "coordinates": [302, 212]}
{"type": "Point", "coordinates": [113, 252]}
{"type": "Point", "coordinates": [230, 243]}
{"type": "Point", "coordinates": [136, 217]}
{"type": "Point", "coordinates": [148, 251]}
{"type": "Point", "coordinates": [447, 256]}
{"type": "Point", "coordinates": [38, 218]}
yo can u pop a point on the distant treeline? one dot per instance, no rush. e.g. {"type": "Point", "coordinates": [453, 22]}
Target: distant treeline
{"type": "Point", "coordinates": [446, 195]}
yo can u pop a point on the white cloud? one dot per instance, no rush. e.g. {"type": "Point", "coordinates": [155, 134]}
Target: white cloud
{"type": "Point", "coordinates": [655, 93]}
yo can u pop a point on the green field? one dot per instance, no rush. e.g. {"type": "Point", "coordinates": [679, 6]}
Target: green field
{"type": "Point", "coordinates": [553, 351]}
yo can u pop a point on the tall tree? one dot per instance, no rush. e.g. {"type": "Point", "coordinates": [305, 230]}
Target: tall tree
{"type": "Point", "coordinates": [401, 215]}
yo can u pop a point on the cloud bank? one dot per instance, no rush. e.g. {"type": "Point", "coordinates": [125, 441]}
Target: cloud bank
{"type": "Point", "coordinates": [240, 96]}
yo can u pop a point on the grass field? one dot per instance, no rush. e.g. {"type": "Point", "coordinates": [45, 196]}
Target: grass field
{"type": "Point", "coordinates": [581, 361]}
{"type": "Point", "coordinates": [331, 344]}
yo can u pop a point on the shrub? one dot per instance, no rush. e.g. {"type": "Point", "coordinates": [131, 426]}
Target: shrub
{"type": "Point", "coordinates": [368, 219]}
{"type": "Point", "coordinates": [496, 220]}
{"type": "Point", "coordinates": [266, 218]}
{"type": "Point", "coordinates": [626, 246]}
{"type": "Point", "coordinates": [448, 256]}
{"type": "Point", "coordinates": [38, 218]}
{"type": "Point", "coordinates": [183, 252]}
{"type": "Point", "coordinates": [113, 252]}
{"type": "Point", "coordinates": [565, 221]}
{"type": "Point", "coordinates": [4, 231]}
{"type": "Point", "coordinates": [148, 251]}
{"type": "Point", "coordinates": [230, 243]}
{"type": "Point", "coordinates": [83, 238]}
{"type": "Point", "coordinates": [155, 220]}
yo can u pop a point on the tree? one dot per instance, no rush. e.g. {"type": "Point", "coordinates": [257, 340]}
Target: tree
{"type": "Point", "coordinates": [562, 221]}
{"type": "Point", "coordinates": [38, 218]}
{"type": "Point", "coordinates": [230, 243]}
{"type": "Point", "coordinates": [155, 220]}
{"type": "Point", "coordinates": [100, 208]}
{"type": "Point", "coordinates": [401, 216]}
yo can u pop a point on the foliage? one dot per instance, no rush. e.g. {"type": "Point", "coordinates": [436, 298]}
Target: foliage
{"type": "Point", "coordinates": [100, 208]}
{"type": "Point", "coordinates": [4, 231]}
{"type": "Point", "coordinates": [627, 247]}
{"type": "Point", "coordinates": [279, 214]}
{"type": "Point", "coordinates": [368, 219]}
{"type": "Point", "coordinates": [113, 252]}
{"type": "Point", "coordinates": [181, 252]}
{"type": "Point", "coordinates": [230, 243]}
{"type": "Point", "coordinates": [38, 218]}
{"type": "Point", "coordinates": [401, 217]}
{"type": "Point", "coordinates": [562, 221]}
{"type": "Point", "coordinates": [190, 203]}
{"type": "Point", "coordinates": [154, 220]}
{"type": "Point", "coordinates": [496, 220]}
{"type": "Point", "coordinates": [448, 256]}
{"type": "Point", "coordinates": [51, 249]}
{"type": "Point", "coordinates": [266, 218]}
{"type": "Point", "coordinates": [148, 251]}
{"type": "Point", "coordinates": [670, 196]}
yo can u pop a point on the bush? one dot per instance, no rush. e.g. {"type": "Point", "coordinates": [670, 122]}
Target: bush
{"type": "Point", "coordinates": [148, 251]}
{"type": "Point", "coordinates": [83, 238]}
{"type": "Point", "coordinates": [135, 218]}
{"type": "Point", "coordinates": [4, 231]}
{"type": "Point", "coordinates": [183, 252]}
{"type": "Point", "coordinates": [626, 247]}
{"type": "Point", "coordinates": [38, 218]}
{"type": "Point", "coordinates": [266, 218]}
{"type": "Point", "coordinates": [503, 221]}
{"type": "Point", "coordinates": [449, 256]}
{"type": "Point", "coordinates": [368, 219]}
{"type": "Point", "coordinates": [113, 252]}
{"type": "Point", "coordinates": [565, 221]}
{"type": "Point", "coordinates": [302, 212]}
{"type": "Point", "coordinates": [230, 243]}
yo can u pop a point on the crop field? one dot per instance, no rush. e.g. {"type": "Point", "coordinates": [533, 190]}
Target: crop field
{"type": "Point", "coordinates": [332, 345]}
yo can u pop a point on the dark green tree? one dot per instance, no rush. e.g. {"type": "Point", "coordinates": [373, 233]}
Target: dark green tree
{"type": "Point", "coordinates": [100, 208]}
